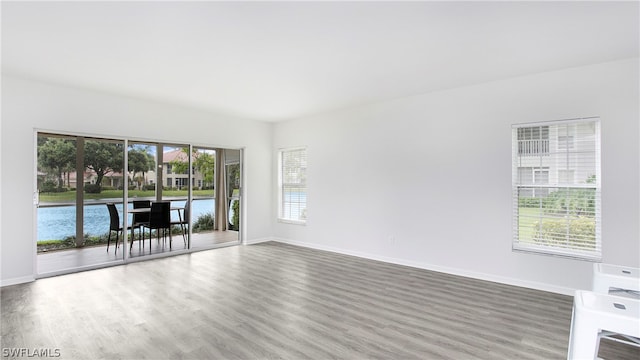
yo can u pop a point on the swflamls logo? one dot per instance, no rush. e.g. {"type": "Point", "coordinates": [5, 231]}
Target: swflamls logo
{"type": "Point", "coordinates": [31, 352]}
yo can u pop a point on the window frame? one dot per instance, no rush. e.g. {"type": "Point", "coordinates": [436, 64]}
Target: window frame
{"type": "Point", "coordinates": [575, 247]}
{"type": "Point", "coordinates": [302, 220]}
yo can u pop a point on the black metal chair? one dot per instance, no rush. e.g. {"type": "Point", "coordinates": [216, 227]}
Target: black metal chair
{"type": "Point", "coordinates": [114, 225]}
{"type": "Point", "coordinates": [183, 222]}
{"type": "Point", "coordinates": [160, 219]}
{"type": "Point", "coordinates": [140, 220]}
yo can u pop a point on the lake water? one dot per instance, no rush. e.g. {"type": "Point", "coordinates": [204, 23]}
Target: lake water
{"type": "Point", "coordinates": [56, 223]}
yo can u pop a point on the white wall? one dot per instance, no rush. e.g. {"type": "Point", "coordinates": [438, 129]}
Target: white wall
{"type": "Point", "coordinates": [426, 180]}
{"type": "Point", "coordinates": [423, 181]}
{"type": "Point", "coordinates": [29, 105]}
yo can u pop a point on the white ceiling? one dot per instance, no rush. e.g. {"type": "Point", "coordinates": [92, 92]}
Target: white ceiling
{"type": "Point", "coordinates": [280, 60]}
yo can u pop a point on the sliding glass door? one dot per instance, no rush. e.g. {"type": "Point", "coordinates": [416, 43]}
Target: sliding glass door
{"type": "Point", "coordinates": [93, 208]}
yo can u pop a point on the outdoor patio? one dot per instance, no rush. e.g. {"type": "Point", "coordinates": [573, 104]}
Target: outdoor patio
{"type": "Point", "coordinates": [62, 260]}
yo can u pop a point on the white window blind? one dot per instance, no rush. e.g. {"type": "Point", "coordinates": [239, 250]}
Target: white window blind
{"type": "Point", "coordinates": [556, 188]}
{"type": "Point", "coordinates": [293, 185]}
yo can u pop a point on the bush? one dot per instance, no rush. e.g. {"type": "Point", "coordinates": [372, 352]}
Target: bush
{"type": "Point", "coordinates": [92, 189]}
{"type": "Point", "coordinates": [574, 201]}
{"type": "Point", "coordinates": [69, 242]}
{"type": "Point", "coordinates": [235, 218]}
{"type": "Point", "coordinates": [204, 222]}
{"type": "Point", "coordinates": [149, 187]}
{"type": "Point", "coordinates": [50, 186]}
{"type": "Point", "coordinates": [553, 231]}
{"type": "Point", "coordinates": [528, 202]}
{"type": "Point", "coordinates": [53, 245]}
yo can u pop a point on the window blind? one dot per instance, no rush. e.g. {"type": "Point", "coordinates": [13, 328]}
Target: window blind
{"type": "Point", "coordinates": [293, 185]}
{"type": "Point", "coordinates": [556, 188]}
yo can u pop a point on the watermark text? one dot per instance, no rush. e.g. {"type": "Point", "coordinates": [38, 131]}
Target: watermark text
{"type": "Point", "coordinates": [31, 352]}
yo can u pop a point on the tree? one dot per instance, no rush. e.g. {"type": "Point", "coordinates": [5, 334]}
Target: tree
{"type": "Point", "coordinates": [180, 164]}
{"type": "Point", "coordinates": [103, 157]}
{"type": "Point", "coordinates": [140, 161]}
{"type": "Point", "coordinates": [57, 155]}
{"type": "Point", "coordinates": [233, 178]}
{"type": "Point", "coordinates": [203, 162]}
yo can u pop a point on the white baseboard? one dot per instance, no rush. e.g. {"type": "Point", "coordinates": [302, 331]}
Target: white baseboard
{"type": "Point", "coordinates": [447, 270]}
{"type": "Point", "coordinates": [15, 281]}
{"type": "Point", "coordinates": [258, 241]}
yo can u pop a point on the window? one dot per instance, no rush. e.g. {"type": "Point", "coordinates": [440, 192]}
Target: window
{"type": "Point", "coordinates": [566, 176]}
{"type": "Point", "coordinates": [533, 141]}
{"type": "Point", "coordinates": [538, 176]}
{"type": "Point", "coordinates": [292, 183]}
{"type": "Point", "coordinates": [565, 142]}
{"type": "Point", "coordinates": [556, 190]}
{"type": "Point", "coordinates": [566, 135]}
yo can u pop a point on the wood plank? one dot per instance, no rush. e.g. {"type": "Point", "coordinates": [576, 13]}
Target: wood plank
{"type": "Point", "coordinates": [273, 300]}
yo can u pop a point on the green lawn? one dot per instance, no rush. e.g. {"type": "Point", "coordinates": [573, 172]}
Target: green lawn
{"type": "Point", "coordinates": [69, 196]}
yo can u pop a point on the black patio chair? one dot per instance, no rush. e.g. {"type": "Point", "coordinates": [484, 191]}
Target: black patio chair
{"type": "Point", "coordinates": [160, 219]}
{"type": "Point", "coordinates": [183, 222]}
{"type": "Point", "coordinates": [114, 225]}
{"type": "Point", "coordinates": [140, 220]}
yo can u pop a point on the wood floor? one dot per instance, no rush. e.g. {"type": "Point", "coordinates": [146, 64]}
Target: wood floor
{"type": "Point", "coordinates": [272, 300]}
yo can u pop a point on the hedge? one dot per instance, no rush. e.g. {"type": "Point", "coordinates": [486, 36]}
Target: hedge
{"type": "Point", "coordinates": [553, 231]}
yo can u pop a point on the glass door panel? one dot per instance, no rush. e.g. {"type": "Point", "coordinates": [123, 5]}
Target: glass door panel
{"type": "Point", "coordinates": [216, 212]}
{"type": "Point", "coordinates": [142, 182]}
{"type": "Point", "coordinates": [103, 184]}
{"type": "Point", "coordinates": [77, 177]}
{"type": "Point", "coordinates": [232, 172]}
{"type": "Point", "coordinates": [56, 200]}
{"type": "Point", "coordinates": [203, 199]}
{"type": "Point", "coordinates": [175, 177]}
